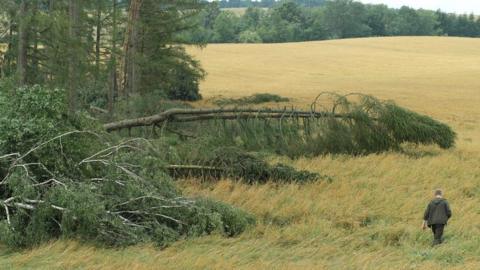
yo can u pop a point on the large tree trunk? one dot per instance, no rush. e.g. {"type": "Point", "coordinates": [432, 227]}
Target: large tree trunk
{"type": "Point", "coordinates": [35, 61]}
{"type": "Point", "coordinates": [50, 37]}
{"type": "Point", "coordinates": [196, 115]}
{"type": "Point", "coordinates": [98, 36]}
{"type": "Point", "coordinates": [73, 57]}
{"type": "Point", "coordinates": [22, 44]}
{"type": "Point", "coordinates": [7, 69]}
{"type": "Point", "coordinates": [112, 91]}
{"type": "Point", "coordinates": [129, 63]}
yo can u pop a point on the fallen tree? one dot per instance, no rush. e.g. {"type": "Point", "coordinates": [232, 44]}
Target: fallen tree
{"type": "Point", "coordinates": [193, 115]}
{"type": "Point", "coordinates": [335, 124]}
{"type": "Point", "coordinates": [117, 196]}
{"type": "Point", "coordinates": [61, 177]}
{"type": "Point", "coordinates": [235, 163]}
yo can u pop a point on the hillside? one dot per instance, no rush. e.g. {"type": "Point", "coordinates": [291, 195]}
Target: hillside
{"type": "Point", "coordinates": [369, 216]}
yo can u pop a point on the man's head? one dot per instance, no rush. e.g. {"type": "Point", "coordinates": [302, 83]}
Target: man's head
{"type": "Point", "coordinates": [438, 193]}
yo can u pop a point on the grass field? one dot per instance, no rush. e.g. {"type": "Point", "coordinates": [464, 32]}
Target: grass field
{"type": "Point", "coordinates": [369, 217]}
{"type": "Point", "coordinates": [238, 11]}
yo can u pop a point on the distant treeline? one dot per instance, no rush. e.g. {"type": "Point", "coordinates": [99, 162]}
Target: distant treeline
{"type": "Point", "coordinates": [290, 21]}
{"type": "Point", "coordinates": [265, 3]}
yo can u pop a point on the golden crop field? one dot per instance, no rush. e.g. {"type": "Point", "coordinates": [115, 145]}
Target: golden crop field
{"type": "Point", "coordinates": [238, 11]}
{"type": "Point", "coordinates": [369, 216]}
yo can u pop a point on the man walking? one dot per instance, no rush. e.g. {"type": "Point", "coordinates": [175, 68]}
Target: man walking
{"type": "Point", "coordinates": [436, 216]}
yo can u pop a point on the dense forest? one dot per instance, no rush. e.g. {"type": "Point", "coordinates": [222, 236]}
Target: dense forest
{"type": "Point", "coordinates": [290, 21]}
{"type": "Point", "coordinates": [102, 51]}
{"type": "Point", "coordinates": [265, 3]}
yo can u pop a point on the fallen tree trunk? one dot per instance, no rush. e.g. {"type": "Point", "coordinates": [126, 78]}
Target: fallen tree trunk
{"type": "Point", "coordinates": [352, 123]}
{"type": "Point", "coordinates": [192, 115]}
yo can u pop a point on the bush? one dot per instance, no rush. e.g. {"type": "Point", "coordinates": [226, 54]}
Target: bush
{"type": "Point", "coordinates": [233, 220]}
{"type": "Point", "coordinates": [61, 176]}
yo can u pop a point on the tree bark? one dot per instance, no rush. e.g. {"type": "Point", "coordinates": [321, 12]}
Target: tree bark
{"type": "Point", "coordinates": [8, 58]}
{"type": "Point", "coordinates": [193, 115]}
{"type": "Point", "coordinates": [129, 66]}
{"type": "Point", "coordinates": [73, 61]}
{"type": "Point", "coordinates": [98, 36]}
{"type": "Point", "coordinates": [35, 60]}
{"type": "Point", "coordinates": [22, 44]}
{"type": "Point", "coordinates": [113, 86]}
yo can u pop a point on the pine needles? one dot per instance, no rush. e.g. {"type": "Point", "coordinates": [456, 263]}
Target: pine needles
{"type": "Point", "coordinates": [82, 184]}
{"type": "Point", "coordinates": [235, 163]}
{"type": "Point", "coordinates": [353, 124]}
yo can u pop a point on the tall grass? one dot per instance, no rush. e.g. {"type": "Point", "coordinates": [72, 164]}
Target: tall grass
{"type": "Point", "coordinates": [369, 218]}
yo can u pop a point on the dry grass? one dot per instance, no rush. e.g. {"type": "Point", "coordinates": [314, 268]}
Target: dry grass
{"type": "Point", "coordinates": [238, 11]}
{"type": "Point", "coordinates": [369, 216]}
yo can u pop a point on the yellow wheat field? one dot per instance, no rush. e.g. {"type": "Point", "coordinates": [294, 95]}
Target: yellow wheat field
{"type": "Point", "coordinates": [369, 216]}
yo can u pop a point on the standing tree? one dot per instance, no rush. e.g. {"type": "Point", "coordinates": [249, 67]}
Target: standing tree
{"type": "Point", "coordinates": [23, 29]}
{"type": "Point", "coordinates": [346, 19]}
{"type": "Point", "coordinates": [226, 27]}
{"type": "Point", "coordinates": [112, 85]}
{"type": "Point", "coordinates": [129, 62]}
{"type": "Point", "coordinates": [73, 77]}
{"type": "Point", "coordinates": [166, 69]}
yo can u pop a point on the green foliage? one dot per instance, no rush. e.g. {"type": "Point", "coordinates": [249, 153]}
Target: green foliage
{"type": "Point", "coordinates": [290, 21]}
{"type": "Point", "coordinates": [35, 114]}
{"type": "Point", "coordinates": [408, 126]}
{"type": "Point", "coordinates": [251, 100]}
{"type": "Point", "coordinates": [60, 176]}
{"type": "Point", "coordinates": [166, 69]}
{"type": "Point", "coordinates": [233, 220]}
{"type": "Point", "coordinates": [162, 66]}
{"type": "Point", "coordinates": [252, 18]}
{"type": "Point", "coordinates": [234, 163]}
{"type": "Point", "coordinates": [225, 27]}
{"type": "Point", "coordinates": [249, 36]}
{"type": "Point", "coordinates": [253, 170]}
{"type": "Point", "coordinates": [137, 106]}
{"type": "Point", "coordinates": [266, 3]}
{"type": "Point", "coordinates": [359, 125]}
{"type": "Point", "coordinates": [185, 84]}
{"type": "Point", "coordinates": [410, 22]}
{"type": "Point", "coordinates": [345, 19]}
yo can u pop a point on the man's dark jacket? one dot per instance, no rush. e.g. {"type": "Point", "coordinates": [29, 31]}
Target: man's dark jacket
{"type": "Point", "coordinates": [438, 212]}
